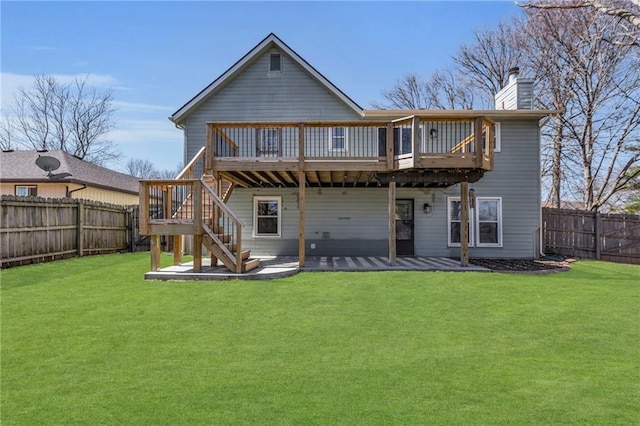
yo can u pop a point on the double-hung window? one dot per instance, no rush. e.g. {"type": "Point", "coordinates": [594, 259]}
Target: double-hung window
{"type": "Point", "coordinates": [267, 216]}
{"type": "Point", "coordinates": [485, 222]}
{"type": "Point", "coordinates": [337, 139]}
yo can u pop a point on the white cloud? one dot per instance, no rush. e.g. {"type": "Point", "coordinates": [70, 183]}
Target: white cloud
{"type": "Point", "coordinates": [144, 132]}
{"type": "Point", "coordinates": [141, 107]}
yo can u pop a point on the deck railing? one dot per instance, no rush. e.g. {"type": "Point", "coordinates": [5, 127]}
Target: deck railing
{"type": "Point", "coordinates": [408, 141]}
{"type": "Point", "coordinates": [170, 207]}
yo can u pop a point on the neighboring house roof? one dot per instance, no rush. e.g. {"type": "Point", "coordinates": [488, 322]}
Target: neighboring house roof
{"type": "Point", "coordinates": [269, 42]}
{"type": "Point", "coordinates": [20, 167]}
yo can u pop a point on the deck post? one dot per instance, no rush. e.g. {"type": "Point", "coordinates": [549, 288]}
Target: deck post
{"type": "Point", "coordinates": [415, 140]}
{"type": "Point", "coordinates": [302, 183]}
{"type": "Point", "coordinates": [478, 144]}
{"type": "Point", "coordinates": [389, 146]}
{"type": "Point", "coordinates": [177, 249]}
{"type": "Point", "coordinates": [197, 253]}
{"type": "Point", "coordinates": [464, 224]}
{"type": "Point", "coordinates": [155, 253]}
{"type": "Point", "coordinates": [301, 152]}
{"type": "Point", "coordinates": [208, 156]}
{"type": "Point", "coordinates": [392, 223]}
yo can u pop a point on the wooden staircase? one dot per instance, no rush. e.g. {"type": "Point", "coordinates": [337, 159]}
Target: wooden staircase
{"type": "Point", "coordinates": [221, 232]}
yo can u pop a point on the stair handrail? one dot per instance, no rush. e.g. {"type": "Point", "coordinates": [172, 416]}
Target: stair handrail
{"type": "Point", "coordinates": [189, 167]}
{"type": "Point", "coordinates": [221, 205]}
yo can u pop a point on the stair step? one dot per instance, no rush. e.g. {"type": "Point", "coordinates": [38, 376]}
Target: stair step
{"type": "Point", "coordinates": [250, 264]}
{"type": "Point", "coordinates": [246, 254]}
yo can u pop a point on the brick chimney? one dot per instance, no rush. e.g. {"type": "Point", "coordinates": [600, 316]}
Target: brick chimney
{"type": "Point", "coordinates": [517, 94]}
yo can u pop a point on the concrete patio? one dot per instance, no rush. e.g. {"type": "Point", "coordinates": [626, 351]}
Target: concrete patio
{"type": "Point", "coordinates": [284, 266]}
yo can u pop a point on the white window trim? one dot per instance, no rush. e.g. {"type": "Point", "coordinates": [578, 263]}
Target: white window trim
{"type": "Point", "coordinates": [497, 131]}
{"type": "Point", "coordinates": [477, 221]}
{"type": "Point", "coordinates": [27, 187]}
{"type": "Point", "coordinates": [331, 139]}
{"type": "Point", "coordinates": [474, 221]}
{"type": "Point", "coordinates": [258, 198]}
{"type": "Point", "coordinates": [272, 54]}
{"type": "Point", "coordinates": [471, 229]}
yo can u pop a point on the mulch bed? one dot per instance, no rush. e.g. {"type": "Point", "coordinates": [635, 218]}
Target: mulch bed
{"type": "Point", "coordinates": [554, 264]}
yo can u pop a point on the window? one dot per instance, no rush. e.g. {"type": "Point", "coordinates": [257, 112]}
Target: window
{"type": "Point", "coordinates": [27, 191]}
{"type": "Point", "coordinates": [489, 222]}
{"type": "Point", "coordinates": [269, 145]}
{"type": "Point", "coordinates": [338, 139]}
{"type": "Point", "coordinates": [485, 222]}
{"type": "Point", "coordinates": [454, 213]}
{"type": "Point", "coordinates": [267, 216]}
{"type": "Point", "coordinates": [275, 62]}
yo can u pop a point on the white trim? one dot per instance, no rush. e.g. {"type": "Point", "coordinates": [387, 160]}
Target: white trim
{"type": "Point", "coordinates": [259, 198]}
{"type": "Point", "coordinates": [497, 129]}
{"type": "Point", "coordinates": [474, 223]}
{"type": "Point", "coordinates": [499, 222]}
{"type": "Point", "coordinates": [270, 41]}
{"type": "Point", "coordinates": [471, 222]}
{"type": "Point", "coordinates": [332, 138]}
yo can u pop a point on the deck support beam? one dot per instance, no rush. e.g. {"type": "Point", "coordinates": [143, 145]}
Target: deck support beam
{"type": "Point", "coordinates": [302, 184]}
{"type": "Point", "coordinates": [177, 249]}
{"type": "Point", "coordinates": [155, 253]}
{"type": "Point", "coordinates": [392, 223]}
{"type": "Point", "coordinates": [464, 224]}
{"type": "Point", "coordinates": [197, 253]}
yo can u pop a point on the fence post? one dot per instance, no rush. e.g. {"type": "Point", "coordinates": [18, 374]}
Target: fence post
{"type": "Point", "coordinates": [80, 241]}
{"type": "Point", "coordinates": [598, 234]}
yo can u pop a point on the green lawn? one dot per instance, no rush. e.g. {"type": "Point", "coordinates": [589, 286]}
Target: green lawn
{"type": "Point", "coordinates": [87, 341]}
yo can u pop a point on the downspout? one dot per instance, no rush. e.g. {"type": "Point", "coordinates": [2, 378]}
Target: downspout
{"type": "Point", "coordinates": [84, 186]}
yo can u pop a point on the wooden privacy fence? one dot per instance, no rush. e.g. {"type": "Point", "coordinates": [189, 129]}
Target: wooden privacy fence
{"type": "Point", "coordinates": [38, 229]}
{"type": "Point", "coordinates": [606, 236]}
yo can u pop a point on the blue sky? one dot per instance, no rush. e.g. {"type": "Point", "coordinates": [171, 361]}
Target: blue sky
{"type": "Point", "coordinates": [157, 55]}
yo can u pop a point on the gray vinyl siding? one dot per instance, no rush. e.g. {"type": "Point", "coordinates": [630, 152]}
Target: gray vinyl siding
{"type": "Point", "coordinates": [354, 221]}
{"type": "Point", "coordinates": [259, 95]}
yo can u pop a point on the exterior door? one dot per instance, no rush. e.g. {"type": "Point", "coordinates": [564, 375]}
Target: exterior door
{"type": "Point", "coordinates": [404, 227]}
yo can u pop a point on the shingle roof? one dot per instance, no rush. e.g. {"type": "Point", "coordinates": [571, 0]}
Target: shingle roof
{"type": "Point", "coordinates": [20, 166]}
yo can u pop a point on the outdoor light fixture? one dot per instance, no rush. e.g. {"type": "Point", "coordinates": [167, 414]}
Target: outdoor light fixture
{"type": "Point", "coordinates": [427, 208]}
{"type": "Point", "coordinates": [433, 133]}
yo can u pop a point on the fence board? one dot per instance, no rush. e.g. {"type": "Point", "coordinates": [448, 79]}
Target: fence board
{"type": "Point", "coordinates": [35, 229]}
{"type": "Point", "coordinates": [607, 236]}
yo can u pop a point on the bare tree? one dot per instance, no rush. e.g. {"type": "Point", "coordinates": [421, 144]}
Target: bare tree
{"type": "Point", "coordinates": [409, 92]}
{"type": "Point", "coordinates": [6, 141]}
{"type": "Point", "coordinates": [478, 72]}
{"type": "Point", "coordinates": [68, 116]}
{"type": "Point", "coordinates": [597, 85]}
{"type": "Point", "coordinates": [141, 168]}
{"type": "Point", "coordinates": [626, 11]}
{"type": "Point", "coordinates": [170, 173]}
{"type": "Point", "coordinates": [487, 60]}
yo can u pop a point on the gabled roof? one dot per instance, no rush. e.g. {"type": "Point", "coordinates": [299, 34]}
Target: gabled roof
{"type": "Point", "coordinates": [269, 42]}
{"type": "Point", "coordinates": [20, 167]}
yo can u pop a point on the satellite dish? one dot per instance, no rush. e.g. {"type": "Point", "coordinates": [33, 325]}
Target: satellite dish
{"type": "Point", "coordinates": [48, 164]}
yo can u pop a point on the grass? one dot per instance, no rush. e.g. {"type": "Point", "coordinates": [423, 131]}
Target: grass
{"type": "Point", "coordinates": [87, 341]}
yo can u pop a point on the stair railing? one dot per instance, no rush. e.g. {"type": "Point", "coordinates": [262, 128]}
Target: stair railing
{"type": "Point", "coordinates": [222, 226]}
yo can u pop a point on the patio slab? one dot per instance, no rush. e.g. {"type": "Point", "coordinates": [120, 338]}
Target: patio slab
{"type": "Point", "coordinates": [284, 266]}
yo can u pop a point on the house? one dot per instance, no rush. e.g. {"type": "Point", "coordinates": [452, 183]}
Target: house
{"type": "Point", "coordinates": [73, 178]}
{"type": "Point", "coordinates": [292, 166]}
